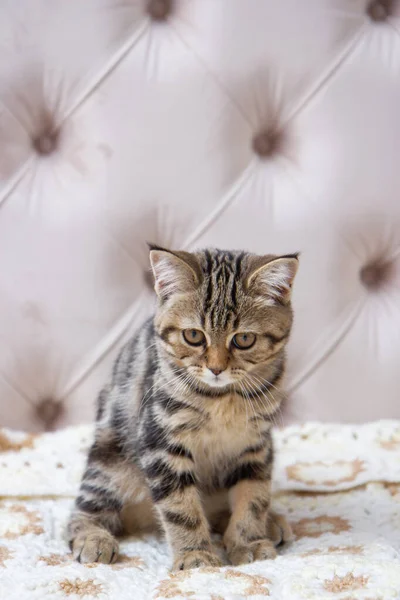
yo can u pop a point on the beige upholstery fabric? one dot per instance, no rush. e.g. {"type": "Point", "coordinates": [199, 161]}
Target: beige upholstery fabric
{"type": "Point", "coordinates": [271, 126]}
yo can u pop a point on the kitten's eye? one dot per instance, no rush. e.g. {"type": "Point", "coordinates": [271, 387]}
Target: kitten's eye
{"type": "Point", "coordinates": [194, 337]}
{"type": "Point", "coordinates": [243, 341]}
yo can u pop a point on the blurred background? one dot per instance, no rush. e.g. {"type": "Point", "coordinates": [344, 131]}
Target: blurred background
{"type": "Point", "coordinates": [266, 125]}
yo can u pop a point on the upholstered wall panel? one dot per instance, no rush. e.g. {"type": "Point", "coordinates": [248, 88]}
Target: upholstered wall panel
{"type": "Point", "coordinates": [258, 124]}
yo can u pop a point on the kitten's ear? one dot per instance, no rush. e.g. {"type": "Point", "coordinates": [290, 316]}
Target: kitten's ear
{"type": "Point", "coordinates": [275, 277]}
{"type": "Point", "coordinates": [172, 272]}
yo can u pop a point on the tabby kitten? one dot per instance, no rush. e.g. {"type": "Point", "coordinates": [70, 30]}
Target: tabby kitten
{"type": "Point", "coordinates": [183, 431]}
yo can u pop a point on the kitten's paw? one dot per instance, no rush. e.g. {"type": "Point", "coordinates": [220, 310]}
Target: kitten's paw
{"type": "Point", "coordinates": [258, 550]}
{"type": "Point", "coordinates": [96, 546]}
{"type": "Point", "coordinates": [195, 559]}
{"type": "Point", "coordinates": [278, 529]}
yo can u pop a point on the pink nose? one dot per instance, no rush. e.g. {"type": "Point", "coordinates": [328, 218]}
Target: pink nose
{"type": "Point", "coordinates": [216, 371]}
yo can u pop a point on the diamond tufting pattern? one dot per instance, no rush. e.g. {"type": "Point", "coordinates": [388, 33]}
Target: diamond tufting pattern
{"type": "Point", "coordinates": [238, 123]}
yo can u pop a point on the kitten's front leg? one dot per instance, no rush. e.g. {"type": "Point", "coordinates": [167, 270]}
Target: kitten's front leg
{"type": "Point", "coordinates": [179, 505]}
{"type": "Point", "coordinates": [249, 495]}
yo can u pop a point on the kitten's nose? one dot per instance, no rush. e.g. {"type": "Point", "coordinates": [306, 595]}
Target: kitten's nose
{"type": "Point", "coordinates": [215, 371]}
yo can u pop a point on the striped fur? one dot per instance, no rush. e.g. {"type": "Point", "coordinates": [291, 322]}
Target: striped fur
{"type": "Point", "coordinates": [183, 431]}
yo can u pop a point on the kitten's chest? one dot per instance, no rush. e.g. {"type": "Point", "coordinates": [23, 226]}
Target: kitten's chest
{"type": "Point", "coordinates": [221, 440]}
{"type": "Point", "coordinates": [223, 436]}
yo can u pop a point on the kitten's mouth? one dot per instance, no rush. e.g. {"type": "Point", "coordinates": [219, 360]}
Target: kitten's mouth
{"type": "Point", "coordinates": [216, 390]}
{"type": "Point", "coordinates": [210, 382]}
{"type": "Point", "coordinates": [216, 383]}
{"type": "Point", "coordinates": [223, 380]}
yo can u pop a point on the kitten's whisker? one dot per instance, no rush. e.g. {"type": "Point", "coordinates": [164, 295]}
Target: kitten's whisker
{"type": "Point", "coordinates": [150, 346]}
{"type": "Point", "coordinates": [250, 400]}
{"type": "Point", "coordinates": [245, 402]}
{"type": "Point", "coordinates": [264, 381]}
{"type": "Point", "coordinates": [277, 412]}
{"type": "Point", "coordinates": [258, 400]}
{"type": "Point", "coordinates": [178, 387]}
{"type": "Point", "coordinates": [162, 384]}
{"type": "Point", "coordinates": [251, 403]}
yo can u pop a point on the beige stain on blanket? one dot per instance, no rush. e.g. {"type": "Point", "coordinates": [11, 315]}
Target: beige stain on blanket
{"type": "Point", "coordinates": [364, 598]}
{"type": "Point", "coordinates": [355, 550]}
{"type": "Point", "coordinates": [319, 525]}
{"type": "Point", "coordinates": [31, 522]}
{"type": "Point", "coordinates": [169, 589]}
{"type": "Point", "coordinates": [393, 489]}
{"type": "Point", "coordinates": [5, 554]}
{"type": "Point", "coordinates": [348, 470]}
{"type": "Point", "coordinates": [7, 445]}
{"type": "Point", "coordinates": [345, 584]}
{"type": "Point", "coordinates": [391, 442]}
{"type": "Point", "coordinates": [255, 585]}
{"type": "Point", "coordinates": [54, 560]}
{"type": "Point", "coordinates": [80, 587]}
{"type": "Point", "coordinates": [124, 562]}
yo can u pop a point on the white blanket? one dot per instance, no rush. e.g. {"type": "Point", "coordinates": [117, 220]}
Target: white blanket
{"type": "Point", "coordinates": [339, 486]}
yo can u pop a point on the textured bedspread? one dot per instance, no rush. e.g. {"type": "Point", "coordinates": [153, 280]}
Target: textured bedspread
{"type": "Point", "coordinates": [339, 486]}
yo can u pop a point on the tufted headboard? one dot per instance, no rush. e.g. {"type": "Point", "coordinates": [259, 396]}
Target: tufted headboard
{"type": "Point", "coordinates": [268, 125]}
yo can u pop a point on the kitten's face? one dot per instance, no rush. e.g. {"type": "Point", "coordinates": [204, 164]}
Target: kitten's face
{"type": "Point", "coordinates": [223, 316]}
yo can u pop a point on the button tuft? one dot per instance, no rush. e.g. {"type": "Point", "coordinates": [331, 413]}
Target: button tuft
{"type": "Point", "coordinates": [379, 10]}
{"type": "Point", "coordinates": [49, 411]}
{"type": "Point", "coordinates": [159, 10]}
{"type": "Point", "coordinates": [46, 143]}
{"type": "Point", "coordinates": [374, 275]}
{"type": "Point", "coordinates": [265, 143]}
